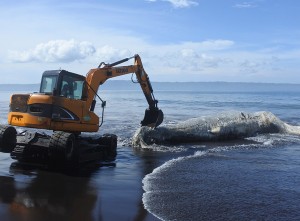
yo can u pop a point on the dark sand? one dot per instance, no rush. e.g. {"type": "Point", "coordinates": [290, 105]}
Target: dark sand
{"type": "Point", "coordinates": [111, 192]}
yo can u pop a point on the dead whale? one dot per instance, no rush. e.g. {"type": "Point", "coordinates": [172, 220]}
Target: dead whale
{"type": "Point", "coordinates": [226, 126]}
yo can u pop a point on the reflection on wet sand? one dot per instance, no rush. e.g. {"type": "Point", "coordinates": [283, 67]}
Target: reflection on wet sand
{"type": "Point", "coordinates": [93, 194]}
{"type": "Point", "coordinates": [47, 196]}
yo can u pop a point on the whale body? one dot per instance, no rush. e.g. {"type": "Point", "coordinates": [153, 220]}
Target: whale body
{"type": "Point", "coordinates": [223, 127]}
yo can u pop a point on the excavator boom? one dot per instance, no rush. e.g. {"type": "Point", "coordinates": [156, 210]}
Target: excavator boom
{"type": "Point", "coordinates": [96, 77]}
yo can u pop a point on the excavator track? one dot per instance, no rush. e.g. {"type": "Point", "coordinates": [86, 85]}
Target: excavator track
{"type": "Point", "coordinates": [7, 138]}
{"type": "Point", "coordinates": [63, 148]}
{"type": "Point", "coordinates": [60, 150]}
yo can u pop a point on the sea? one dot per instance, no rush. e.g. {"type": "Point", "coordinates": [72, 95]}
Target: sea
{"type": "Point", "coordinates": [255, 178]}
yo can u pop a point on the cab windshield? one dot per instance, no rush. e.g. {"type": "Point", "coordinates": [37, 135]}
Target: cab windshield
{"type": "Point", "coordinates": [72, 87]}
{"type": "Point", "coordinates": [64, 84]}
{"type": "Point", "coordinates": [48, 84]}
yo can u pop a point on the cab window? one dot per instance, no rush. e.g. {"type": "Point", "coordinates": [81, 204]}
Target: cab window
{"type": "Point", "coordinates": [48, 84]}
{"type": "Point", "coordinates": [72, 87]}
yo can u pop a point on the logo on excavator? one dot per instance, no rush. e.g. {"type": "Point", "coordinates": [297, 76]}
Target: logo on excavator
{"type": "Point", "coordinates": [121, 70]}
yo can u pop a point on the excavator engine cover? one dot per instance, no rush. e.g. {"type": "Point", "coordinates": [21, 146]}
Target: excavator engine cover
{"type": "Point", "coordinates": [153, 117]}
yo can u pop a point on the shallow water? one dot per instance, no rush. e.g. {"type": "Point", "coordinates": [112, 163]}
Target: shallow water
{"type": "Point", "coordinates": [252, 179]}
{"type": "Point", "coordinates": [236, 184]}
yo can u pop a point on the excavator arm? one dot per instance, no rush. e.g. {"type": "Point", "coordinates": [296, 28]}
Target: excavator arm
{"type": "Point", "coordinates": [96, 77]}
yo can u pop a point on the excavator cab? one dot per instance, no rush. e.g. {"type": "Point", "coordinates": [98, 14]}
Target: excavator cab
{"type": "Point", "coordinates": [63, 83]}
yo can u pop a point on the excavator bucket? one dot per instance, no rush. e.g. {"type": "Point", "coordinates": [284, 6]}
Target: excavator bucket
{"type": "Point", "coordinates": [153, 117]}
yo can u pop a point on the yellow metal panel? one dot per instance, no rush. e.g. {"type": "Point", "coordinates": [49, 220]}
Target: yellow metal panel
{"type": "Point", "coordinates": [40, 99]}
{"type": "Point", "coordinates": [28, 120]}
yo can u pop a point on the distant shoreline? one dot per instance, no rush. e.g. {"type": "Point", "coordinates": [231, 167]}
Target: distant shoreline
{"type": "Point", "coordinates": [175, 86]}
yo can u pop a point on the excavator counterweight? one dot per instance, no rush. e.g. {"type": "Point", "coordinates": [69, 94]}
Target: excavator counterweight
{"type": "Point", "coordinates": [65, 104]}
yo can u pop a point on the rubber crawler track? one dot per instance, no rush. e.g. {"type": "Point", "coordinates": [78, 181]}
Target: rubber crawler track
{"type": "Point", "coordinates": [59, 152]}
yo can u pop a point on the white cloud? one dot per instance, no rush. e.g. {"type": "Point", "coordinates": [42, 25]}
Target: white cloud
{"type": "Point", "coordinates": [218, 44]}
{"type": "Point", "coordinates": [182, 3]}
{"type": "Point", "coordinates": [109, 53]}
{"type": "Point", "coordinates": [194, 57]}
{"type": "Point", "coordinates": [245, 5]}
{"type": "Point", "coordinates": [191, 60]}
{"type": "Point", "coordinates": [55, 51]}
{"type": "Point", "coordinates": [256, 65]}
{"type": "Point", "coordinates": [186, 57]}
{"type": "Point", "coordinates": [178, 3]}
{"type": "Point", "coordinates": [186, 61]}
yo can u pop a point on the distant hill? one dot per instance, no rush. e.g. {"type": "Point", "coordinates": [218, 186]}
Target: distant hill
{"type": "Point", "coordinates": [175, 86]}
{"type": "Point", "coordinates": [202, 86]}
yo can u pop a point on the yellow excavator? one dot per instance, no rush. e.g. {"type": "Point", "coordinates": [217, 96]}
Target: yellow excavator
{"type": "Point", "coordinates": [65, 104]}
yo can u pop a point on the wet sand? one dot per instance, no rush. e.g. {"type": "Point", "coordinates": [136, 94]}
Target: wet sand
{"type": "Point", "coordinates": [110, 192]}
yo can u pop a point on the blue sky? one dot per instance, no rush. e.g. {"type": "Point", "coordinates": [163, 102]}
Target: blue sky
{"type": "Point", "coordinates": [178, 40]}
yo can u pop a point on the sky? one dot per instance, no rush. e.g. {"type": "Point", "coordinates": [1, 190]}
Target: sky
{"type": "Point", "coordinates": [178, 40]}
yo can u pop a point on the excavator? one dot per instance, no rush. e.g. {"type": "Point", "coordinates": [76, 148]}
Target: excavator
{"type": "Point", "coordinates": [65, 104]}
